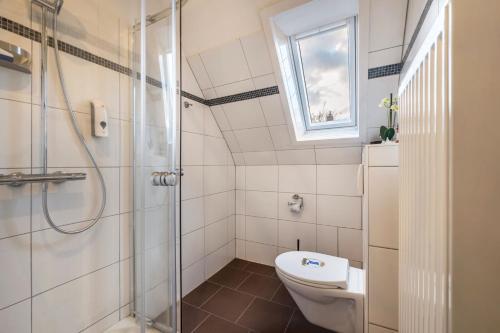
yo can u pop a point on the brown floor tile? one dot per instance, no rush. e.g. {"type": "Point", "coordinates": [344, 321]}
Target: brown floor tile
{"type": "Point", "coordinates": [199, 295]}
{"type": "Point", "coordinates": [228, 304]}
{"type": "Point", "coordinates": [191, 317]}
{"type": "Point", "coordinates": [260, 285]}
{"type": "Point", "coordinates": [217, 325]}
{"type": "Point", "coordinates": [266, 317]}
{"type": "Point", "coordinates": [282, 296]}
{"type": "Point", "coordinates": [261, 269]}
{"type": "Point", "coordinates": [229, 277]}
{"type": "Point", "coordinates": [238, 264]}
{"type": "Point", "coordinates": [299, 324]}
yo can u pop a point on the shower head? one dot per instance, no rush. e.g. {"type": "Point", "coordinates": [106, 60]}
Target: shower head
{"type": "Point", "coordinates": [54, 7]}
{"type": "Point", "coordinates": [58, 6]}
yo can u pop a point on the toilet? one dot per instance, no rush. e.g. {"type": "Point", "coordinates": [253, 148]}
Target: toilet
{"type": "Point", "coordinates": [326, 289]}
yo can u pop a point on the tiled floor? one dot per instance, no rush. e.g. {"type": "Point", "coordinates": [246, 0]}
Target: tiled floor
{"type": "Point", "coordinates": [243, 297]}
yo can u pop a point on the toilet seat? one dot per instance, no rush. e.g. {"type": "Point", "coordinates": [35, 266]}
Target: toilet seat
{"type": "Point", "coordinates": [314, 269]}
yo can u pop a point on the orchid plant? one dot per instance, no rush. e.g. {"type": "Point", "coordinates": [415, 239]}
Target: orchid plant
{"type": "Point", "coordinates": [391, 105]}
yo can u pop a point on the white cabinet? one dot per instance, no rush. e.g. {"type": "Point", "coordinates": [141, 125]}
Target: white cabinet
{"type": "Point", "coordinates": [383, 206]}
{"type": "Point", "coordinates": [380, 218]}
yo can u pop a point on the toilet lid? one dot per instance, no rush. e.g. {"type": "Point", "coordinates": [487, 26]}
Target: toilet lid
{"type": "Point", "coordinates": [314, 268]}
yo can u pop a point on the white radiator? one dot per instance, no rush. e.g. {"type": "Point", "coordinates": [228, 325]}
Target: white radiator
{"type": "Point", "coordinates": [424, 180]}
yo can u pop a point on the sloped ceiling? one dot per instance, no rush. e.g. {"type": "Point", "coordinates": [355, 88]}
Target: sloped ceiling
{"type": "Point", "coordinates": [229, 58]}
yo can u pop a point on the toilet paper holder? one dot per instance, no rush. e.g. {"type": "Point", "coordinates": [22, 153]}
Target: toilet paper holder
{"type": "Point", "coordinates": [296, 204]}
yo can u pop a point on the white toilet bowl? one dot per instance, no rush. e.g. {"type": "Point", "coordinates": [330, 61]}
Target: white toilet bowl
{"type": "Point", "coordinates": [326, 289]}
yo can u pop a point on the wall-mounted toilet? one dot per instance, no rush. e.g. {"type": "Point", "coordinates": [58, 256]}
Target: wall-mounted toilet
{"type": "Point", "coordinates": [326, 289]}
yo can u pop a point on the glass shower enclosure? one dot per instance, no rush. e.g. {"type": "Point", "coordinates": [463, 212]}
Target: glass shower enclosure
{"type": "Point", "coordinates": [156, 165]}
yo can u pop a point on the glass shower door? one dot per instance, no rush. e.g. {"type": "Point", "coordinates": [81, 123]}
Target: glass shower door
{"type": "Point", "coordinates": [155, 166]}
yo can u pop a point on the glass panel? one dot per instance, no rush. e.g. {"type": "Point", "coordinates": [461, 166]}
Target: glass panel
{"type": "Point", "coordinates": [156, 147]}
{"type": "Point", "coordinates": [325, 66]}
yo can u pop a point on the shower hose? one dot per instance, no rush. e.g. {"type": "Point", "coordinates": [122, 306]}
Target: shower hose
{"type": "Point", "coordinates": [78, 131]}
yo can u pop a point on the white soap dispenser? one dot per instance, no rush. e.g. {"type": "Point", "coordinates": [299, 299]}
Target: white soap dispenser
{"type": "Point", "coordinates": [99, 119]}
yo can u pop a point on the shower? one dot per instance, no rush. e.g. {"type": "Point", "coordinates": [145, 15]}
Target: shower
{"type": "Point", "coordinates": [53, 9]}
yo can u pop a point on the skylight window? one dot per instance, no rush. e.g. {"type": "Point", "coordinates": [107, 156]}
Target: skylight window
{"type": "Point", "coordinates": [324, 60]}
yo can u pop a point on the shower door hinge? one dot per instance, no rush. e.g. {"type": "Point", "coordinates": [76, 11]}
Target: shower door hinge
{"type": "Point", "coordinates": [166, 178]}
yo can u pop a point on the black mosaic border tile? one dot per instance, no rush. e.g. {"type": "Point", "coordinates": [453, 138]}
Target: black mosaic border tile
{"type": "Point", "coordinates": [194, 97]}
{"type": "Point", "coordinates": [34, 35]}
{"type": "Point", "coordinates": [386, 70]}
{"type": "Point", "coordinates": [417, 30]}
{"type": "Point", "coordinates": [244, 96]}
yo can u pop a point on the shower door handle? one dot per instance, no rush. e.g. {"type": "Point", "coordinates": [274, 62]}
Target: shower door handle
{"type": "Point", "coordinates": [166, 178]}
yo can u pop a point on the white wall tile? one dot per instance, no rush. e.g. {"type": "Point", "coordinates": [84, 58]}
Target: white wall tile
{"type": "Point", "coordinates": [126, 279]}
{"type": "Point", "coordinates": [351, 244]}
{"type": "Point", "coordinates": [57, 258]}
{"type": "Point", "coordinates": [260, 158]}
{"type": "Point", "coordinates": [215, 236]}
{"type": "Point", "coordinates": [273, 111]}
{"type": "Point", "coordinates": [256, 53]}
{"type": "Point", "coordinates": [193, 216]}
{"type": "Point", "coordinates": [215, 178]}
{"type": "Point", "coordinates": [193, 118]}
{"type": "Point", "coordinates": [215, 152]}
{"type": "Point", "coordinates": [192, 277]}
{"type": "Point", "coordinates": [260, 253]}
{"type": "Point", "coordinates": [385, 57]}
{"type": "Point", "coordinates": [215, 207]}
{"type": "Point", "coordinates": [239, 159]}
{"type": "Point", "coordinates": [193, 247]}
{"type": "Point", "coordinates": [262, 230]}
{"type": "Point", "coordinates": [262, 178]}
{"type": "Point", "coordinates": [254, 140]}
{"type": "Point", "coordinates": [192, 150]}
{"type": "Point", "coordinates": [297, 178]}
{"type": "Point", "coordinates": [226, 64]}
{"type": "Point", "coordinates": [192, 182]}
{"type": "Point", "coordinates": [199, 71]}
{"type": "Point", "coordinates": [262, 204]}
{"type": "Point", "coordinates": [231, 228]}
{"type": "Point", "coordinates": [240, 226]}
{"type": "Point", "coordinates": [240, 177]}
{"type": "Point", "coordinates": [15, 121]}
{"type": "Point", "coordinates": [386, 23]}
{"type": "Point", "coordinates": [231, 141]}
{"type": "Point", "coordinates": [215, 261]}
{"type": "Point", "coordinates": [15, 205]}
{"type": "Point", "coordinates": [244, 114]}
{"type": "Point", "coordinates": [339, 211]}
{"type": "Point", "coordinates": [308, 213]}
{"type": "Point", "coordinates": [348, 155]}
{"type": "Point", "coordinates": [327, 240]}
{"type": "Point", "coordinates": [240, 202]}
{"type": "Point", "coordinates": [289, 232]}
{"type": "Point", "coordinates": [15, 282]}
{"type": "Point", "coordinates": [86, 300]}
{"type": "Point", "coordinates": [234, 88]}
{"type": "Point", "coordinates": [17, 318]}
{"type": "Point", "coordinates": [338, 179]}
{"type": "Point", "coordinates": [264, 81]}
{"type": "Point", "coordinates": [297, 156]}
{"type": "Point", "coordinates": [220, 117]}
{"type": "Point", "coordinates": [240, 249]}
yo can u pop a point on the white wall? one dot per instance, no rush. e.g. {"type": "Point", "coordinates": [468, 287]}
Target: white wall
{"type": "Point", "coordinates": [329, 223]}
{"type": "Point", "coordinates": [208, 197]}
{"type": "Point", "coordinates": [52, 282]}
